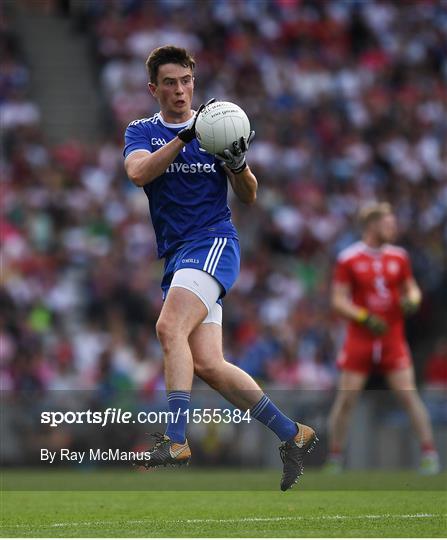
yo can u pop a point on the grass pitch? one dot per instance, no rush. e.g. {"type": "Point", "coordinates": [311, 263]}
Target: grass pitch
{"type": "Point", "coordinates": [221, 504]}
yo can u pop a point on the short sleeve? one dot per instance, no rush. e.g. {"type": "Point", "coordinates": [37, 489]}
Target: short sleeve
{"type": "Point", "coordinates": [136, 138]}
{"type": "Point", "coordinates": [406, 270]}
{"type": "Point", "coordinates": [342, 273]}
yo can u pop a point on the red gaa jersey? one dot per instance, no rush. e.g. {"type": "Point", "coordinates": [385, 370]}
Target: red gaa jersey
{"type": "Point", "coordinates": [375, 278]}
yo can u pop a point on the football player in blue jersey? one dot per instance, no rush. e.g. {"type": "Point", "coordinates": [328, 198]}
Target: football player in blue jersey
{"type": "Point", "coordinates": [187, 192]}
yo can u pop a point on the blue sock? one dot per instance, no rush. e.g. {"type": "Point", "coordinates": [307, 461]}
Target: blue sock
{"type": "Point", "coordinates": [178, 403]}
{"type": "Point", "coordinates": [268, 413]}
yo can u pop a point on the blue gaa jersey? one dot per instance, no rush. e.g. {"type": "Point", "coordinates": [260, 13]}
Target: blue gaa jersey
{"type": "Point", "coordinates": [189, 201]}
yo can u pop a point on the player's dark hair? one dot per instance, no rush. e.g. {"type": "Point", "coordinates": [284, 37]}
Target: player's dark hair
{"type": "Point", "coordinates": [373, 212]}
{"type": "Point", "coordinates": [169, 54]}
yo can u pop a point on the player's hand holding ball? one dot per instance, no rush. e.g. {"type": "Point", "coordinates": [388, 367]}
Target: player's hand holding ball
{"type": "Point", "coordinates": [188, 133]}
{"type": "Point", "coordinates": [223, 129]}
{"type": "Point", "coordinates": [234, 157]}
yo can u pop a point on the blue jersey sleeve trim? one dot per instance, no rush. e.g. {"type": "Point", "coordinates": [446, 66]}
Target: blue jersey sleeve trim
{"type": "Point", "coordinates": [138, 150]}
{"type": "Point", "coordinates": [136, 138]}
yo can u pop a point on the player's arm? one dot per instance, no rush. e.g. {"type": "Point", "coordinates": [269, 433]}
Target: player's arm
{"type": "Point", "coordinates": [344, 306]}
{"type": "Point", "coordinates": [411, 296]}
{"type": "Point", "coordinates": [244, 184]}
{"type": "Point", "coordinates": [145, 166]}
{"type": "Point", "coordinates": [142, 167]}
{"type": "Point", "coordinates": [342, 303]}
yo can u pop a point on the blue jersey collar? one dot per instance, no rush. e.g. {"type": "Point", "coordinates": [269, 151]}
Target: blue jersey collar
{"type": "Point", "coordinates": [167, 124]}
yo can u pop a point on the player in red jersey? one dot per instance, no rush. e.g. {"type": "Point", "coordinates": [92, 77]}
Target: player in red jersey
{"type": "Point", "coordinates": [374, 289]}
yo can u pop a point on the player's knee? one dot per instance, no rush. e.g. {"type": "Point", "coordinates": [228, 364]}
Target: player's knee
{"type": "Point", "coordinates": [347, 402]}
{"type": "Point", "coordinates": [167, 333]}
{"type": "Point", "coordinates": [408, 398]}
{"type": "Point", "coordinates": [162, 330]}
{"type": "Point", "coordinates": [206, 370]}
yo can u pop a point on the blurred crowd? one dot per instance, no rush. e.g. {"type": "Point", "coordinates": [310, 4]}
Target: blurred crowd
{"type": "Point", "coordinates": [349, 103]}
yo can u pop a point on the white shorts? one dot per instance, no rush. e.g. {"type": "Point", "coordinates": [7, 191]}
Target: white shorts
{"type": "Point", "coordinates": [204, 287]}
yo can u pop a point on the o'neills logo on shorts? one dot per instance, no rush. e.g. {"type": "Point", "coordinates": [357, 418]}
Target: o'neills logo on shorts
{"type": "Point", "coordinates": [192, 168]}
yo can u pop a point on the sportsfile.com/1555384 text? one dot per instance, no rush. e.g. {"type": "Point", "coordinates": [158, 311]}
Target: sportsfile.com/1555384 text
{"type": "Point", "coordinates": [114, 415]}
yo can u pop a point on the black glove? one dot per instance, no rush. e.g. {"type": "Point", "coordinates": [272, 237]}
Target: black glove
{"type": "Point", "coordinates": [375, 324]}
{"type": "Point", "coordinates": [188, 133]}
{"type": "Point", "coordinates": [409, 306]}
{"type": "Point", "coordinates": [234, 158]}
